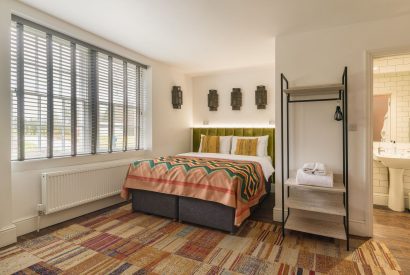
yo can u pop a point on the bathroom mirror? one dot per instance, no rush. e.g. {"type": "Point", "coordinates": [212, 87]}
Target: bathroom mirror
{"type": "Point", "coordinates": [381, 117]}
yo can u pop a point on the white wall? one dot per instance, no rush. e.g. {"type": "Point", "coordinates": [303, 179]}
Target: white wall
{"type": "Point", "coordinates": [7, 229]}
{"type": "Point", "coordinates": [247, 79]}
{"type": "Point", "coordinates": [319, 57]}
{"type": "Point", "coordinates": [167, 129]}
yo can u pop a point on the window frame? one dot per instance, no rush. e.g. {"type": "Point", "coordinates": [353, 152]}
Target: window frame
{"type": "Point", "coordinates": [93, 116]}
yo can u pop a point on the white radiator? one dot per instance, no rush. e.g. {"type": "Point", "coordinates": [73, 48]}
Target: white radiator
{"type": "Point", "coordinates": [66, 189]}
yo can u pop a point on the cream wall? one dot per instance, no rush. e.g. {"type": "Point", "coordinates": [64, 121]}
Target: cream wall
{"type": "Point", "coordinates": [247, 79]}
{"type": "Point", "coordinates": [20, 181]}
{"type": "Point", "coordinates": [319, 57]}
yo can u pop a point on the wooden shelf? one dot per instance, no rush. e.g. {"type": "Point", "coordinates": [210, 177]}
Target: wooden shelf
{"type": "Point", "coordinates": [319, 206]}
{"type": "Point", "coordinates": [338, 186]}
{"type": "Point", "coordinates": [315, 90]}
{"type": "Point", "coordinates": [317, 227]}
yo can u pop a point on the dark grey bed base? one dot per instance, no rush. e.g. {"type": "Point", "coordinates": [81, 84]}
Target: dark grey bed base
{"type": "Point", "coordinates": [191, 210]}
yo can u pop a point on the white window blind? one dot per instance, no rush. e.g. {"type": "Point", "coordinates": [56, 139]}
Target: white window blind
{"type": "Point", "coordinates": [118, 104]}
{"type": "Point", "coordinates": [61, 95]}
{"type": "Point", "coordinates": [13, 83]}
{"type": "Point", "coordinates": [35, 92]}
{"type": "Point", "coordinates": [103, 102]}
{"type": "Point", "coordinates": [83, 100]}
{"type": "Point", "coordinates": [71, 98]}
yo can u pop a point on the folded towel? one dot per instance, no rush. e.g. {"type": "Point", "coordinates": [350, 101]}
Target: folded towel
{"type": "Point", "coordinates": [315, 168]}
{"type": "Point", "coordinates": [309, 167]}
{"type": "Point", "coordinates": [303, 178]}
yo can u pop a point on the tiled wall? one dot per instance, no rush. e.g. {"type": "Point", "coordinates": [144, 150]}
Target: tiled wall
{"type": "Point", "coordinates": [381, 174]}
{"type": "Point", "coordinates": [392, 76]}
{"type": "Point", "coordinates": [380, 178]}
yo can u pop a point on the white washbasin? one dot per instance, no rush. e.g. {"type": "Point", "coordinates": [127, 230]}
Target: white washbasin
{"type": "Point", "coordinates": [393, 161]}
{"type": "Point", "coordinates": [396, 165]}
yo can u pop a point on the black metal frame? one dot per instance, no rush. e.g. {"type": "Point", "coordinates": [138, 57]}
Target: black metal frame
{"type": "Point", "coordinates": [284, 84]}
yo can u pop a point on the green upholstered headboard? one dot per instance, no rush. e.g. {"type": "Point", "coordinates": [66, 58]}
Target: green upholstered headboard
{"type": "Point", "coordinates": [247, 132]}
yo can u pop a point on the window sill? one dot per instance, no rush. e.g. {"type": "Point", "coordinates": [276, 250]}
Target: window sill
{"type": "Point", "coordinates": [60, 162]}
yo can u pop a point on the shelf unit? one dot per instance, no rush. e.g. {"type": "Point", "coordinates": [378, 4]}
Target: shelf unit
{"type": "Point", "coordinates": [322, 201]}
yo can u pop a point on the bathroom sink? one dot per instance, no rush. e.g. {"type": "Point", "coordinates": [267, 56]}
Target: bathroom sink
{"type": "Point", "coordinates": [394, 161]}
{"type": "Point", "coordinates": [396, 165]}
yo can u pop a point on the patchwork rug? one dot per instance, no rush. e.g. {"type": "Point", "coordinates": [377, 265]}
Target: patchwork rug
{"type": "Point", "coordinates": [124, 242]}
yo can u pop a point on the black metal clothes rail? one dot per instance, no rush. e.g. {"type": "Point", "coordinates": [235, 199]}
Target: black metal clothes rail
{"type": "Point", "coordinates": [322, 93]}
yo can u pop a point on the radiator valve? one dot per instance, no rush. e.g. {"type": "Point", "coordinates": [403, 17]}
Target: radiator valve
{"type": "Point", "coordinates": [41, 209]}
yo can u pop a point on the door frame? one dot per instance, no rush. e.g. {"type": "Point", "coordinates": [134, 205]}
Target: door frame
{"type": "Point", "coordinates": [370, 56]}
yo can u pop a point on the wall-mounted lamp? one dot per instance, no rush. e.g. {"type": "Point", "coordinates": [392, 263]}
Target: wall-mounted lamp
{"type": "Point", "coordinates": [338, 113]}
{"type": "Point", "coordinates": [261, 97]}
{"type": "Point", "coordinates": [213, 101]}
{"type": "Point", "coordinates": [236, 98]}
{"type": "Point", "coordinates": [176, 97]}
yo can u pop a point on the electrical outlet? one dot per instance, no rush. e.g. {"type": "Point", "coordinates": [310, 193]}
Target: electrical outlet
{"type": "Point", "coordinates": [352, 127]}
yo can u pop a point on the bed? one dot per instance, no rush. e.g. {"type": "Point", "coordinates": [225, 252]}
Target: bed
{"type": "Point", "coordinates": [202, 197]}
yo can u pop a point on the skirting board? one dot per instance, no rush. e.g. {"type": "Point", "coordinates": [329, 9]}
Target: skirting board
{"type": "Point", "coordinates": [8, 235]}
{"type": "Point", "coordinates": [29, 224]}
{"type": "Point", "coordinates": [383, 199]}
{"type": "Point", "coordinates": [358, 228]}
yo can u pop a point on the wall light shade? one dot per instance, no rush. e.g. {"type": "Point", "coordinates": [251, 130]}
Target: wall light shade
{"type": "Point", "coordinates": [176, 97]}
{"type": "Point", "coordinates": [213, 101]}
{"type": "Point", "coordinates": [261, 97]}
{"type": "Point", "coordinates": [236, 99]}
{"type": "Point", "coordinates": [338, 114]}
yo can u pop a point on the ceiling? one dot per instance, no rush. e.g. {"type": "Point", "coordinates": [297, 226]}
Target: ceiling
{"type": "Point", "coordinates": [207, 35]}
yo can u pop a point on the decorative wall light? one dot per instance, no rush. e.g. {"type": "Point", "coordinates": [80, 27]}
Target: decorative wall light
{"type": "Point", "coordinates": [213, 101]}
{"type": "Point", "coordinates": [236, 98]}
{"type": "Point", "coordinates": [176, 97]}
{"type": "Point", "coordinates": [338, 113]}
{"type": "Point", "coordinates": [261, 97]}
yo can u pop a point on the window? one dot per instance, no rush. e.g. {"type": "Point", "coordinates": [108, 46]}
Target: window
{"type": "Point", "coordinates": [70, 98]}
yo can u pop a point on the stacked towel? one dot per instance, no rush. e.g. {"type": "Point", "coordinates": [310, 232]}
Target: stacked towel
{"type": "Point", "coordinates": [315, 168]}
{"type": "Point", "coordinates": [316, 174]}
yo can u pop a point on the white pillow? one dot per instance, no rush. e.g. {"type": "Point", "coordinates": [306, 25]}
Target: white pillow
{"type": "Point", "coordinates": [224, 144]}
{"type": "Point", "coordinates": [261, 149]}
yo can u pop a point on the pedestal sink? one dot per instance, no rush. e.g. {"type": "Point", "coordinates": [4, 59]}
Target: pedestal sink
{"type": "Point", "coordinates": [396, 165]}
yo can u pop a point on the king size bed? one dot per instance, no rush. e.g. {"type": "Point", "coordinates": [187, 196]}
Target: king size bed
{"type": "Point", "coordinates": [214, 189]}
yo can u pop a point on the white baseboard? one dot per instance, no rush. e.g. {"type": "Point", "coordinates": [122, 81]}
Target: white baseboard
{"type": "Point", "coordinates": [29, 224]}
{"type": "Point", "coordinates": [383, 199]}
{"type": "Point", "coordinates": [357, 227]}
{"type": "Point", "coordinates": [8, 235]}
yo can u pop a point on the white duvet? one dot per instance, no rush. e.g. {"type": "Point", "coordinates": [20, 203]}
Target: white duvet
{"type": "Point", "coordinates": [265, 162]}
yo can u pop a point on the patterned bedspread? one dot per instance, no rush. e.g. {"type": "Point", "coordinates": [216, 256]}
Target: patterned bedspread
{"type": "Point", "coordinates": [238, 184]}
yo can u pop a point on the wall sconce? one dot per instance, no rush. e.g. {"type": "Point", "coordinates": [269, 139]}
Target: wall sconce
{"type": "Point", "coordinates": [213, 100]}
{"type": "Point", "coordinates": [338, 116]}
{"type": "Point", "coordinates": [261, 97]}
{"type": "Point", "coordinates": [176, 97]}
{"type": "Point", "coordinates": [236, 98]}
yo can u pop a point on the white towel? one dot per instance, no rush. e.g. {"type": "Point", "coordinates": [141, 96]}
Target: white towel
{"type": "Point", "coordinates": [309, 167]}
{"type": "Point", "coordinates": [315, 168]}
{"type": "Point", "coordinates": [303, 178]}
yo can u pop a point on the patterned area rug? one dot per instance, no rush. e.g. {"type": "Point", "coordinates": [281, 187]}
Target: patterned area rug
{"type": "Point", "coordinates": [123, 242]}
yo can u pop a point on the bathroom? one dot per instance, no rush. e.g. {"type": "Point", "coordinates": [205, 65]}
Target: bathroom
{"type": "Point", "coordinates": [391, 132]}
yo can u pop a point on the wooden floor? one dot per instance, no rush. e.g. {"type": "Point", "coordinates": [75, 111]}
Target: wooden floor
{"type": "Point", "coordinates": [392, 228]}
